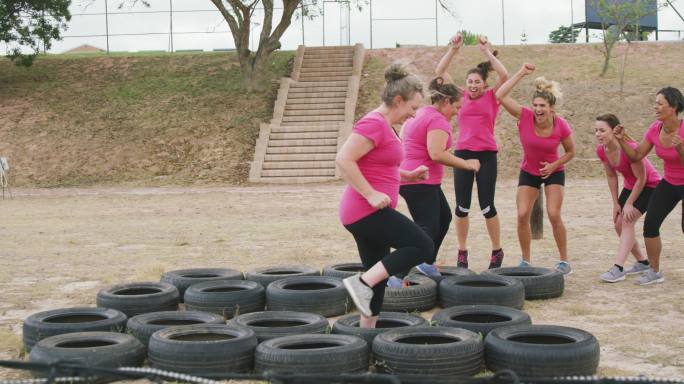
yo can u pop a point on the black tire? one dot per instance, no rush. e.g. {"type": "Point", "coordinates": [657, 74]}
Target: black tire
{"type": "Point", "coordinates": [542, 351]}
{"type": "Point", "coordinates": [94, 349]}
{"type": "Point", "coordinates": [137, 298]}
{"type": "Point", "coordinates": [266, 276]}
{"type": "Point", "coordinates": [540, 283]}
{"type": "Point", "coordinates": [269, 325]}
{"type": "Point", "coordinates": [326, 354]}
{"type": "Point", "coordinates": [419, 296]}
{"type": "Point", "coordinates": [323, 295]}
{"type": "Point", "coordinates": [480, 318]}
{"type": "Point", "coordinates": [225, 297]}
{"type": "Point", "coordinates": [203, 350]}
{"type": "Point", "coordinates": [481, 289]}
{"type": "Point", "coordinates": [69, 320]}
{"type": "Point", "coordinates": [183, 278]}
{"type": "Point", "coordinates": [448, 271]}
{"type": "Point", "coordinates": [428, 354]}
{"type": "Point", "coordinates": [344, 270]}
{"type": "Point", "coordinates": [143, 326]}
{"type": "Point", "coordinates": [349, 324]}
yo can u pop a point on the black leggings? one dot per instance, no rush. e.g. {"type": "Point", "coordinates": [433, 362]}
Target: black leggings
{"type": "Point", "coordinates": [485, 179]}
{"type": "Point", "coordinates": [377, 233]}
{"type": "Point", "coordinates": [663, 200]}
{"type": "Point", "coordinates": [430, 210]}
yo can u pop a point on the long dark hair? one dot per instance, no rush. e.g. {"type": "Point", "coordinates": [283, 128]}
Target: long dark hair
{"type": "Point", "coordinates": [483, 68]}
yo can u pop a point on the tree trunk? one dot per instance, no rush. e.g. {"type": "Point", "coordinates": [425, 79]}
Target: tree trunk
{"type": "Point", "coordinates": [537, 219]}
{"type": "Point", "coordinates": [622, 69]}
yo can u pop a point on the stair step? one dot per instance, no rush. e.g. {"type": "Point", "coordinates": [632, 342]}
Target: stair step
{"type": "Point", "coordinates": [297, 172]}
{"type": "Point", "coordinates": [331, 47]}
{"type": "Point", "coordinates": [316, 100]}
{"type": "Point", "coordinates": [330, 127]}
{"type": "Point", "coordinates": [302, 143]}
{"type": "Point", "coordinates": [328, 56]}
{"type": "Point", "coordinates": [337, 65]}
{"type": "Point", "coordinates": [323, 111]}
{"type": "Point", "coordinates": [322, 74]}
{"type": "Point", "coordinates": [292, 119]}
{"type": "Point", "coordinates": [298, 150]}
{"type": "Point", "coordinates": [304, 135]}
{"type": "Point", "coordinates": [313, 105]}
{"type": "Point", "coordinates": [299, 165]}
{"type": "Point", "coordinates": [323, 78]}
{"type": "Point", "coordinates": [297, 180]}
{"type": "Point", "coordinates": [300, 157]}
{"type": "Point", "coordinates": [307, 89]}
{"type": "Point", "coordinates": [314, 95]}
{"type": "Point", "coordinates": [319, 84]}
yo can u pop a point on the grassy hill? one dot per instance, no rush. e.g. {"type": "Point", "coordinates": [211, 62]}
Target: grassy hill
{"type": "Point", "coordinates": [140, 119]}
{"type": "Point", "coordinates": [650, 66]}
{"type": "Point", "coordinates": [161, 119]}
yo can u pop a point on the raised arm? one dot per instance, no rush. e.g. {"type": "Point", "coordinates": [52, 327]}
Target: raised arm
{"type": "Point", "coordinates": [499, 68]}
{"type": "Point", "coordinates": [508, 103]}
{"type": "Point", "coordinates": [632, 154]}
{"type": "Point", "coordinates": [443, 65]}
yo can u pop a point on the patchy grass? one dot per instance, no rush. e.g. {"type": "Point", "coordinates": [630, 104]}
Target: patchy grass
{"type": "Point", "coordinates": [140, 119]}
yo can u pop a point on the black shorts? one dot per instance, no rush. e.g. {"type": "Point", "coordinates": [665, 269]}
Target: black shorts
{"type": "Point", "coordinates": [641, 202]}
{"type": "Point", "coordinates": [531, 180]}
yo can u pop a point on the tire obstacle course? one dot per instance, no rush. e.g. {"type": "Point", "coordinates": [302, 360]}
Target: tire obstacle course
{"type": "Point", "coordinates": [276, 324]}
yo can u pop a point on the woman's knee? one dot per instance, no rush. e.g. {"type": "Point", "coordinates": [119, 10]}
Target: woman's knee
{"type": "Point", "coordinates": [555, 217]}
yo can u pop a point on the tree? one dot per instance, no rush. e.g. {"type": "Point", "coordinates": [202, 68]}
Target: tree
{"type": "Point", "coordinates": [620, 20]}
{"type": "Point", "coordinates": [29, 23]}
{"type": "Point", "coordinates": [564, 35]}
{"type": "Point", "coordinates": [469, 38]}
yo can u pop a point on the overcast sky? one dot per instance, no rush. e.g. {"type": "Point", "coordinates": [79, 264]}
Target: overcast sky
{"type": "Point", "coordinates": [535, 18]}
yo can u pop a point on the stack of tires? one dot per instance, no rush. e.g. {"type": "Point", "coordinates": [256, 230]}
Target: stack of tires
{"type": "Point", "coordinates": [276, 320]}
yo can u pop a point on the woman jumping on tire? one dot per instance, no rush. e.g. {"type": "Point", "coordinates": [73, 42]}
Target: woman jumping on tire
{"type": "Point", "coordinates": [369, 162]}
{"type": "Point", "coordinates": [476, 120]}
{"type": "Point", "coordinates": [541, 132]}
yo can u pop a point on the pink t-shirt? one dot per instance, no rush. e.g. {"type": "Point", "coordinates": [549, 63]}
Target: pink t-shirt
{"type": "Point", "coordinates": [537, 149]}
{"type": "Point", "coordinates": [674, 170]}
{"type": "Point", "coordinates": [476, 120]}
{"type": "Point", "coordinates": [380, 167]}
{"type": "Point", "coordinates": [624, 167]}
{"type": "Point", "coordinates": [414, 137]}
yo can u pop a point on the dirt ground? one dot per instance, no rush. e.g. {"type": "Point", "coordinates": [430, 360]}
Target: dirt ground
{"type": "Point", "coordinates": [60, 246]}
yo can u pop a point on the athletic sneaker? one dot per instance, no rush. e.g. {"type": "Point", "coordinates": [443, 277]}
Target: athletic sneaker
{"type": "Point", "coordinates": [395, 282]}
{"type": "Point", "coordinates": [462, 259]}
{"type": "Point", "coordinates": [524, 263]}
{"type": "Point", "coordinates": [496, 259]}
{"type": "Point", "coordinates": [428, 269]}
{"type": "Point", "coordinates": [637, 268]}
{"type": "Point", "coordinates": [564, 267]}
{"type": "Point", "coordinates": [650, 277]}
{"type": "Point", "coordinates": [360, 294]}
{"type": "Point", "coordinates": [613, 275]}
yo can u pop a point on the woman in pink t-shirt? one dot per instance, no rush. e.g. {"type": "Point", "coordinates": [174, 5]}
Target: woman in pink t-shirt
{"type": "Point", "coordinates": [427, 142]}
{"type": "Point", "coordinates": [476, 120]}
{"type": "Point", "coordinates": [369, 162]}
{"type": "Point", "coordinates": [665, 134]}
{"type": "Point", "coordinates": [541, 132]}
{"type": "Point", "coordinates": [640, 178]}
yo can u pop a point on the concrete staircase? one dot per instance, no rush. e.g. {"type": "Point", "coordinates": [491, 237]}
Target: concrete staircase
{"type": "Point", "coordinates": [312, 117]}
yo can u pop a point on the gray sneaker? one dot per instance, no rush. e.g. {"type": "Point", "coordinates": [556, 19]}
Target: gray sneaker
{"type": "Point", "coordinates": [650, 277]}
{"type": "Point", "coordinates": [613, 275]}
{"type": "Point", "coordinates": [564, 267]}
{"type": "Point", "coordinates": [360, 294]}
{"type": "Point", "coordinates": [636, 268]}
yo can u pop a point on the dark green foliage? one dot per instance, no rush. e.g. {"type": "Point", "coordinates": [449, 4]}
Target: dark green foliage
{"type": "Point", "coordinates": [32, 24]}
